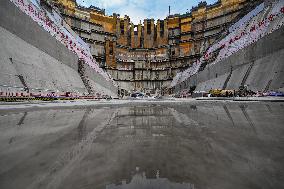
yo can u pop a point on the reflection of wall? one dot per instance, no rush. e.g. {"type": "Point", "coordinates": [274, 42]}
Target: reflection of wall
{"type": "Point", "coordinates": [140, 180]}
{"type": "Point", "coordinates": [185, 144]}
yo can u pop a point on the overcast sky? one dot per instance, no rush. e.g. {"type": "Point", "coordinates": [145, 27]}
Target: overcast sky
{"type": "Point", "coordinates": [141, 9]}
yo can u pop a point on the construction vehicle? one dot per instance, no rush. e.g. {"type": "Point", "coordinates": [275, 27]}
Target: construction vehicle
{"type": "Point", "coordinates": [215, 92]}
{"type": "Point", "coordinates": [221, 93]}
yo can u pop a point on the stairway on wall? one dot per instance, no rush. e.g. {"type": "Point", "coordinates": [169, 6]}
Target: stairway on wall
{"type": "Point", "coordinates": [247, 74]}
{"type": "Point", "coordinates": [81, 71]}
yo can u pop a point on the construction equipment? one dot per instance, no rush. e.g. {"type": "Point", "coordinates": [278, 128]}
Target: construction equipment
{"type": "Point", "coordinates": [221, 93]}
{"type": "Point", "coordinates": [243, 91]}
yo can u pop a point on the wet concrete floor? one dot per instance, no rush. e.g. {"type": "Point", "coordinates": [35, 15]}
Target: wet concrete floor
{"type": "Point", "coordinates": [188, 145]}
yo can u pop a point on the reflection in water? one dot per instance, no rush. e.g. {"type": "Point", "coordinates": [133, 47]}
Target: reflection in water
{"type": "Point", "coordinates": [139, 180]}
{"type": "Point", "coordinates": [22, 118]}
{"type": "Point", "coordinates": [229, 114]}
{"type": "Point", "coordinates": [82, 125]}
{"type": "Point", "coordinates": [244, 110]}
{"type": "Point", "coordinates": [184, 145]}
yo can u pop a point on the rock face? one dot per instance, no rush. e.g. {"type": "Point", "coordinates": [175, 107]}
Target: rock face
{"type": "Point", "coordinates": [32, 58]}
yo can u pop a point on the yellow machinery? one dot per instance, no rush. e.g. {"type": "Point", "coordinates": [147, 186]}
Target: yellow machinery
{"type": "Point", "coordinates": [221, 93]}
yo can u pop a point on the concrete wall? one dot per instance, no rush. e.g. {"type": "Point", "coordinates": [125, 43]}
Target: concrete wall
{"type": "Point", "coordinates": [43, 62]}
{"type": "Point", "coordinates": [38, 69]}
{"type": "Point", "coordinates": [260, 66]}
{"type": "Point", "coordinates": [99, 83]}
{"type": "Point", "coordinates": [18, 23]}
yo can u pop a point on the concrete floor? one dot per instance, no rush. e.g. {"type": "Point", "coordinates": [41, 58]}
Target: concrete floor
{"type": "Point", "coordinates": [153, 145]}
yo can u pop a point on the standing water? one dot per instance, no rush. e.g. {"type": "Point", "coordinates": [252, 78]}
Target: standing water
{"type": "Point", "coordinates": [144, 145]}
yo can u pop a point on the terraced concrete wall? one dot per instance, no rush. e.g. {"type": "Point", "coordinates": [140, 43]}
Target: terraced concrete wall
{"type": "Point", "coordinates": [259, 66]}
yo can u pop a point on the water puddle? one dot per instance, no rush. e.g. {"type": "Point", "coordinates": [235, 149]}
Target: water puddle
{"type": "Point", "coordinates": [169, 146]}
